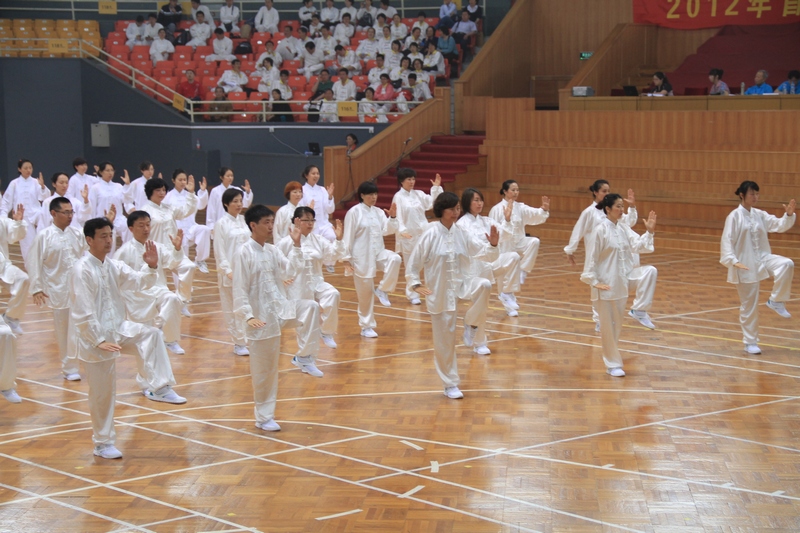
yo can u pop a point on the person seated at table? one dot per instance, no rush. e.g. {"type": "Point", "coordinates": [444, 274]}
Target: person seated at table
{"type": "Point", "coordinates": [661, 85]}
{"type": "Point", "coordinates": [761, 86]}
{"type": "Point", "coordinates": [717, 85]}
{"type": "Point", "coordinates": [790, 86]}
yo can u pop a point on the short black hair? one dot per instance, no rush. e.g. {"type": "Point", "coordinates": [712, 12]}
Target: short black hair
{"type": "Point", "coordinates": [310, 44]}
{"type": "Point", "coordinates": [219, 31]}
{"type": "Point", "coordinates": [229, 195]}
{"type": "Point", "coordinates": [58, 201]}
{"type": "Point", "coordinates": [145, 165]}
{"type": "Point", "coordinates": [466, 199]}
{"type": "Point", "coordinates": [303, 210]}
{"type": "Point", "coordinates": [79, 161]}
{"type": "Point", "coordinates": [139, 18]}
{"type": "Point", "coordinates": [285, 72]}
{"type": "Point", "coordinates": [257, 213]}
{"type": "Point", "coordinates": [136, 215]}
{"type": "Point", "coordinates": [367, 187]}
{"type": "Point", "coordinates": [794, 74]}
{"type": "Point", "coordinates": [404, 173]}
{"type": "Point", "coordinates": [177, 172]}
{"type": "Point", "coordinates": [152, 185]}
{"type": "Point", "coordinates": [446, 200]}
{"type": "Point", "coordinates": [338, 46]}
{"type": "Point", "coordinates": [152, 16]}
{"type": "Point", "coordinates": [94, 224]}
{"type": "Point", "coordinates": [412, 76]}
{"type": "Point", "coordinates": [54, 179]}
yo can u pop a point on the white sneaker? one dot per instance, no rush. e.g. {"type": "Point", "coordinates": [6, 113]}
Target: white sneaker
{"type": "Point", "coordinates": [369, 333]}
{"type": "Point", "coordinates": [11, 395]}
{"type": "Point", "coordinates": [13, 324]}
{"type": "Point", "coordinates": [329, 342]}
{"type": "Point", "coordinates": [522, 277]}
{"type": "Point", "coordinates": [469, 334]}
{"type": "Point", "coordinates": [175, 348]}
{"type": "Point", "coordinates": [597, 327]}
{"type": "Point", "coordinates": [482, 350]}
{"type": "Point", "coordinates": [512, 312]}
{"type": "Point", "coordinates": [308, 368]}
{"type": "Point", "coordinates": [185, 312]}
{"type": "Point", "coordinates": [164, 394]}
{"type": "Point", "coordinates": [453, 393]}
{"type": "Point", "coordinates": [416, 301]}
{"type": "Point", "coordinates": [239, 349]}
{"type": "Point", "coordinates": [509, 300]}
{"type": "Point", "coordinates": [383, 297]}
{"type": "Point", "coordinates": [752, 349]}
{"type": "Point", "coordinates": [72, 377]}
{"type": "Point", "coordinates": [202, 266]}
{"type": "Point", "coordinates": [779, 307]}
{"type": "Point", "coordinates": [643, 318]}
{"type": "Point", "coordinates": [616, 372]}
{"type": "Point", "coordinates": [269, 425]}
{"type": "Point", "coordinates": [331, 270]}
{"type": "Point", "coordinates": [107, 451]}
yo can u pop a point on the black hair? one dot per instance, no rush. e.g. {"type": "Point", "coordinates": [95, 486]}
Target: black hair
{"type": "Point", "coordinates": [381, 15]}
{"type": "Point", "coordinates": [152, 16]}
{"type": "Point", "coordinates": [405, 58]}
{"type": "Point", "coordinates": [404, 173]}
{"type": "Point", "coordinates": [398, 43]}
{"type": "Point", "coordinates": [237, 60]}
{"type": "Point", "coordinates": [177, 172]}
{"type": "Point", "coordinates": [794, 74]}
{"type": "Point", "coordinates": [384, 75]}
{"type": "Point", "coordinates": [746, 186]}
{"type": "Point", "coordinates": [229, 195]}
{"type": "Point", "coordinates": [338, 46]}
{"type": "Point", "coordinates": [285, 72]}
{"type": "Point", "coordinates": [608, 202]}
{"type": "Point", "coordinates": [379, 55]}
{"type": "Point", "coordinates": [94, 224]}
{"type": "Point", "coordinates": [412, 76]}
{"type": "Point", "coordinates": [596, 186]}
{"type": "Point", "coordinates": [367, 187]}
{"type": "Point", "coordinates": [307, 171]}
{"type": "Point", "coordinates": [22, 162]}
{"type": "Point", "coordinates": [222, 171]}
{"type": "Point", "coordinates": [344, 70]}
{"type": "Point", "coordinates": [660, 75]}
{"type": "Point", "coordinates": [219, 31]}
{"type": "Point", "coordinates": [369, 89]}
{"type": "Point", "coordinates": [78, 161]}
{"type": "Point", "coordinates": [346, 15]}
{"type": "Point", "coordinates": [421, 14]}
{"type": "Point", "coordinates": [466, 199]}
{"type": "Point", "coordinates": [102, 166]}
{"type": "Point", "coordinates": [137, 215]}
{"type": "Point", "coordinates": [310, 45]}
{"type": "Point", "coordinates": [139, 18]}
{"type": "Point", "coordinates": [145, 165]}
{"type": "Point", "coordinates": [55, 177]}
{"type": "Point", "coordinates": [506, 185]}
{"type": "Point", "coordinates": [256, 213]}
{"type": "Point", "coordinates": [716, 72]}
{"type": "Point", "coordinates": [446, 200]}
{"type": "Point", "coordinates": [303, 210]}
{"type": "Point", "coordinates": [353, 136]}
{"type": "Point", "coordinates": [58, 201]}
{"type": "Point", "coordinates": [152, 185]}
{"type": "Point", "coordinates": [445, 31]}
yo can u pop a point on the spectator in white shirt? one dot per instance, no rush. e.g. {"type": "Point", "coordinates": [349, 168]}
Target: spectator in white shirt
{"type": "Point", "coordinates": [305, 12]}
{"type": "Point", "coordinates": [420, 92]}
{"type": "Point", "coordinates": [300, 42]}
{"type": "Point", "coordinates": [368, 109]}
{"type": "Point", "coordinates": [326, 44]}
{"type": "Point", "coordinates": [313, 61]}
{"type": "Point", "coordinates": [314, 29]}
{"type": "Point", "coordinates": [161, 47]}
{"type": "Point", "coordinates": [387, 10]}
{"type": "Point", "coordinates": [151, 29]}
{"type": "Point", "coordinates": [394, 56]}
{"type": "Point", "coordinates": [233, 80]}
{"type": "Point", "coordinates": [448, 13]}
{"type": "Point", "coordinates": [200, 31]}
{"type": "Point", "coordinates": [368, 48]}
{"type": "Point", "coordinates": [267, 18]}
{"type": "Point", "coordinates": [415, 37]}
{"type": "Point", "coordinates": [329, 14]}
{"type": "Point", "coordinates": [399, 30]}
{"type": "Point", "coordinates": [413, 53]}
{"type": "Point", "coordinates": [434, 61]}
{"type": "Point", "coordinates": [197, 8]}
{"type": "Point", "coordinates": [420, 23]}
{"type": "Point", "coordinates": [270, 52]}
{"type": "Point", "coordinates": [287, 47]}
{"type": "Point", "coordinates": [380, 23]}
{"type": "Point", "coordinates": [375, 72]}
{"type": "Point", "coordinates": [345, 89]}
{"type": "Point", "coordinates": [344, 31]}
{"type": "Point", "coordinates": [346, 59]}
{"type": "Point", "coordinates": [329, 110]}
{"type": "Point", "coordinates": [229, 17]}
{"type": "Point", "coordinates": [135, 33]}
{"type": "Point", "coordinates": [269, 75]}
{"type": "Point", "coordinates": [464, 29]}
{"type": "Point", "coordinates": [400, 73]}
{"type": "Point", "coordinates": [417, 68]}
{"type": "Point", "coordinates": [282, 86]}
{"type": "Point", "coordinates": [365, 18]}
{"type": "Point", "coordinates": [349, 9]}
{"type": "Point", "coordinates": [223, 47]}
{"type": "Point", "coordinates": [385, 41]}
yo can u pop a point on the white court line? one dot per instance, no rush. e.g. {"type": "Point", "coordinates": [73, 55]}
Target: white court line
{"type": "Point", "coordinates": [729, 437]}
{"type": "Point", "coordinates": [412, 445]}
{"type": "Point", "coordinates": [338, 515]}
{"type": "Point", "coordinates": [434, 467]}
{"type": "Point", "coordinates": [412, 491]}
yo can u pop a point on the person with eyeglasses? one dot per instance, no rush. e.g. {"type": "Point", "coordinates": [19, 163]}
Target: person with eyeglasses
{"type": "Point", "coordinates": [81, 207]}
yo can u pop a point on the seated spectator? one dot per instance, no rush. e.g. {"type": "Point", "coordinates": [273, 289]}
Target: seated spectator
{"type": "Point", "coordinates": [328, 109]}
{"type": "Point", "coordinates": [304, 13]}
{"type": "Point", "coordinates": [374, 74]}
{"type": "Point", "coordinates": [322, 84]}
{"type": "Point", "coordinates": [312, 60]}
{"type": "Point", "coordinates": [413, 53]}
{"type": "Point", "coordinates": [434, 61]}
{"type": "Point", "coordinates": [234, 79]}
{"type": "Point", "coordinates": [415, 37]}
{"type": "Point", "coordinates": [267, 18]}
{"type": "Point", "coordinates": [475, 11]}
{"type": "Point", "coordinates": [229, 17]}
{"type": "Point", "coordinates": [369, 109]}
{"type": "Point", "coordinates": [761, 86]}
{"type": "Point", "coordinates": [344, 90]}
{"type": "Point", "coordinates": [329, 15]}
{"type": "Point", "coordinates": [430, 37]}
{"type": "Point", "coordinates": [151, 29]}
{"type": "Point", "coordinates": [399, 74]}
{"type": "Point", "coordinates": [464, 29]}
{"type": "Point", "coordinates": [269, 51]}
{"type": "Point", "coordinates": [326, 43]}
{"type": "Point", "coordinates": [366, 16]}
{"type": "Point", "coordinates": [380, 23]}
{"type": "Point", "coordinates": [169, 17]}
{"type": "Point", "coordinates": [717, 85]}
{"type": "Point", "coordinates": [386, 10]}
{"type": "Point", "coordinates": [280, 111]}
{"type": "Point", "coordinates": [269, 75]}
{"type": "Point", "coordinates": [398, 29]}
{"type": "Point", "coordinates": [347, 59]}
{"type": "Point", "coordinates": [197, 8]}
{"type": "Point", "coordinates": [200, 31]}
{"type": "Point", "coordinates": [447, 47]}
{"type": "Point", "coordinates": [302, 39]}
{"type": "Point", "coordinates": [135, 33]}
{"type": "Point", "coordinates": [417, 67]}
{"type": "Point", "coordinates": [287, 48]}
{"type": "Point", "coordinates": [420, 23]}
{"type": "Point", "coordinates": [282, 86]}
{"type": "Point", "coordinates": [448, 13]}
{"type": "Point", "coordinates": [221, 104]}
{"type": "Point", "coordinates": [385, 41]}
{"type": "Point", "coordinates": [351, 141]}
{"type": "Point", "coordinates": [660, 86]}
{"type": "Point", "coordinates": [348, 9]}
{"type": "Point", "coordinates": [344, 31]}
{"type": "Point", "coordinates": [394, 55]}
{"type": "Point", "coordinates": [415, 93]}
{"type": "Point", "coordinates": [161, 47]}
{"type": "Point", "coordinates": [223, 47]}
{"type": "Point", "coordinates": [315, 27]}
{"type": "Point", "coordinates": [190, 87]}
{"type": "Point", "coordinates": [385, 93]}
{"type": "Point", "coordinates": [790, 86]}
{"type": "Point", "coordinates": [368, 48]}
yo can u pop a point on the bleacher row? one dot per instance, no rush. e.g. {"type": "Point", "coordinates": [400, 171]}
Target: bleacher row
{"type": "Point", "coordinates": [19, 36]}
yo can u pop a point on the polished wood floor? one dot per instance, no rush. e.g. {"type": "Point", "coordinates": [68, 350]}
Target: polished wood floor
{"type": "Point", "coordinates": [699, 437]}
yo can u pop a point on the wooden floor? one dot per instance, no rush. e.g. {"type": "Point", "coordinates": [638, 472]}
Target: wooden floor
{"type": "Point", "coordinates": [698, 436]}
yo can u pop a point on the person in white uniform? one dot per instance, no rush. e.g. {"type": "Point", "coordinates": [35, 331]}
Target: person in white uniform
{"type": "Point", "coordinates": [106, 193]}
{"type": "Point", "coordinates": [223, 47]}
{"type": "Point", "coordinates": [198, 8]}
{"type": "Point", "coordinates": [80, 206]}
{"type": "Point", "coordinates": [364, 228]}
{"type": "Point", "coordinates": [97, 312]}
{"type": "Point", "coordinates": [411, 220]}
{"type": "Point", "coordinates": [135, 198]}
{"type": "Point", "coordinates": [610, 272]}
{"type": "Point", "coordinates": [267, 18]}
{"type": "Point", "coordinates": [589, 219]}
{"type": "Point", "coordinates": [445, 252]}
{"type": "Point", "coordinates": [309, 284]}
{"type": "Point", "coordinates": [135, 33]}
{"type": "Point", "coordinates": [293, 192]}
{"type": "Point", "coordinates": [200, 31]}
{"type": "Point", "coordinates": [505, 269]}
{"type": "Point", "coordinates": [156, 306]}
{"type": "Point", "coordinates": [229, 17]}
{"type": "Point", "coordinates": [215, 209]}
{"type": "Point", "coordinates": [521, 216]}
{"type": "Point", "coordinates": [745, 251]}
{"type": "Point", "coordinates": [193, 233]}
{"type": "Point", "coordinates": [29, 192]}
{"type": "Point", "coordinates": [230, 234]}
{"type": "Point", "coordinates": [80, 179]}
{"type": "Point", "coordinates": [8, 361]}
{"type": "Point", "coordinates": [56, 249]}
{"type": "Point", "coordinates": [233, 80]}
{"type": "Point", "coordinates": [320, 199]}
{"type": "Point", "coordinates": [161, 48]}
{"type": "Point", "coordinates": [13, 279]}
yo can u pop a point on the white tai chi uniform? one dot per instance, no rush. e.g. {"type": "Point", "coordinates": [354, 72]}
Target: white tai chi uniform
{"type": "Point", "coordinates": [13, 279]}
{"type": "Point", "coordinates": [102, 195]}
{"type": "Point", "coordinates": [97, 311]}
{"type": "Point", "coordinates": [82, 210]}
{"type": "Point", "coordinates": [223, 50]}
{"type": "Point", "coordinates": [323, 208]}
{"type": "Point", "coordinates": [160, 49]}
{"type": "Point", "coordinates": [200, 33]}
{"type": "Point", "coordinates": [78, 181]}
{"type": "Point", "coordinates": [283, 222]}
{"type": "Point", "coordinates": [163, 224]}
{"type": "Point", "coordinates": [29, 193]}
{"type": "Point", "coordinates": [8, 357]}
{"type": "Point", "coordinates": [445, 255]}
{"type": "Point", "coordinates": [411, 219]}
{"type": "Point", "coordinates": [135, 197]}
{"type": "Point", "coordinates": [193, 233]}
{"type": "Point", "coordinates": [589, 219]}
{"type": "Point", "coordinates": [521, 216]}
{"type": "Point", "coordinates": [258, 275]}
{"type": "Point", "coordinates": [610, 261]}
{"type": "Point", "coordinates": [745, 240]}
{"type": "Point", "coordinates": [267, 20]}
{"type": "Point", "coordinates": [156, 306]}
{"type": "Point", "coordinates": [50, 262]}
{"type": "Point", "coordinates": [308, 283]}
{"type": "Point", "coordinates": [215, 209]}
{"type": "Point", "coordinates": [364, 228]}
{"type": "Point", "coordinates": [230, 235]}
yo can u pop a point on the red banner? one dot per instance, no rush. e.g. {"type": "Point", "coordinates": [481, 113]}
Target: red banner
{"type": "Point", "coordinates": [696, 14]}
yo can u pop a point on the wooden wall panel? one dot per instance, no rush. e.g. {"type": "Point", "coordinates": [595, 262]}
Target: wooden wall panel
{"type": "Point", "coordinates": [674, 45]}
{"type": "Point", "coordinates": [684, 103]}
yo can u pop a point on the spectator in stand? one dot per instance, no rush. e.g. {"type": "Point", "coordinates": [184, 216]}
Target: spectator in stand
{"type": "Point", "coordinates": [326, 43]}
{"type": "Point", "coordinates": [394, 55]}
{"type": "Point", "coordinates": [418, 69]}
{"type": "Point", "coordinates": [329, 110]}
{"type": "Point", "coordinates": [447, 47]}
{"type": "Point", "coordinates": [346, 59]}
{"type": "Point", "coordinates": [234, 80]}
{"type": "Point", "coordinates": [761, 86]}
{"type": "Point", "coordinates": [790, 86]}
{"type": "Point", "coordinates": [374, 75]}
{"type": "Point", "coordinates": [300, 44]}
{"type": "Point", "coordinates": [351, 141]}
{"type": "Point", "coordinates": [322, 84]}
{"type": "Point", "coordinates": [415, 37]}
{"type": "Point", "coordinates": [269, 51]}
{"type": "Point", "coordinates": [368, 109]}
{"type": "Point", "coordinates": [269, 75]}
{"type": "Point", "coordinates": [366, 16]}
{"type": "Point", "coordinates": [135, 33]}
{"type": "Point", "coordinates": [267, 18]}
{"type": "Point", "coordinates": [223, 47]}
{"type": "Point", "coordinates": [413, 53]}
{"type": "Point", "coordinates": [161, 47]}
{"type": "Point", "coordinates": [344, 31]}
{"type": "Point", "coordinates": [420, 23]}
{"type": "Point", "coordinates": [349, 10]}
{"type": "Point", "coordinates": [280, 110]}
{"type": "Point", "coordinates": [329, 14]}
{"type": "Point", "coordinates": [419, 90]}
{"type": "Point", "coordinates": [448, 14]}
{"type": "Point", "coordinates": [170, 16]}
{"type": "Point", "coordinates": [399, 74]}
{"type": "Point", "coordinates": [229, 17]}
{"type": "Point", "coordinates": [197, 8]}
{"type": "Point", "coordinates": [344, 90]}
{"type": "Point", "coordinates": [386, 10]}
{"type": "Point", "coordinates": [380, 23]}
{"type": "Point", "coordinates": [475, 11]}
{"type": "Point", "coordinates": [464, 30]}
{"type": "Point", "coordinates": [661, 85]}
{"type": "Point", "coordinates": [312, 60]}
{"type": "Point", "coordinates": [200, 31]}
{"type": "Point", "coordinates": [368, 48]}
{"type": "Point", "coordinates": [305, 12]}
{"type": "Point", "coordinates": [434, 61]}
{"type": "Point", "coordinates": [151, 29]}
{"type": "Point", "coordinates": [282, 85]}
{"type": "Point", "coordinates": [399, 30]}
{"type": "Point", "coordinates": [220, 105]}
{"type": "Point", "coordinates": [717, 85]}
{"type": "Point", "coordinates": [190, 87]}
{"type": "Point", "coordinates": [385, 93]}
{"type": "Point", "coordinates": [287, 47]}
{"type": "Point", "coordinates": [315, 28]}
{"type": "Point", "coordinates": [430, 37]}
{"type": "Point", "coordinates": [385, 41]}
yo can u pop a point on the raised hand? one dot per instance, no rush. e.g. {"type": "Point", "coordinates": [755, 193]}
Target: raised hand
{"type": "Point", "coordinates": [19, 213]}
{"type": "Point", "coordinates": [329, 188]}
{"type": "Point", "coordinates": [295, 234]}
{"type": "Point", "coordinates": [111, 214]}
{"type": "Point", "coordinates": [126, 179]}
{"type": "Point", "coordinates": [338, 229]}
{"type": "Point", "coordinates": [246, 186]}
{"type": "Point", "coordinates": [150, 255]}
{"type": "Point", "coordinates": [203, 184]}
{"type": "Point", "coordinates": [39, 298]}
{"type": "Point", "coordinates": [311, 204]}
{"type": "Point", "coordinates": [41, 181]}
{"type": "Point", "coordinates": [392, 211]}
{"type": "Point", "coordinates": [791, 207]}
{"type": "Point", "coordinates": [509, 210]}
{"type": "Point", "coordinates": [545, 203]}
{"type": "Point", "coordinates": [650, 223]}
{"type": "Point", "coordinates": [437, 182]}
{"type": "Point", "coordinates": [493, 236]}
{"type": "Point", "coordinates": [85, 194]}
{"type": "Point", "coordinates": [177, 240]}
{"type": "Point", "coordinates": [190, 184]}
{"type": "Point", "coordinates": [160, 176]}
{"type": "Point", "coordinates": [631, 199]}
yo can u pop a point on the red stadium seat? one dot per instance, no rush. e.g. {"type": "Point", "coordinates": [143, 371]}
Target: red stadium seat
{"type": "Point", "coordinates": [163, 68]}
{"type": "Point", "coordinates": [120, 69]}
{"type": "Point", "coordinates": [201, 52]}
{"type": "Point", "coordinates": [147, 86]}
{"type": "Point", "coordinates": [260, 38]}
{"type": "Point", "coordinates": [115, 39]}
{"type": "Point", "coordinates": [185, 24]}
{"type": "Point", "coordinates": [297, 83]}
{"type": "Point", "coordinates": [238, 98]}
{"type": "Point", "coordinates": [122, 25]}
{"type": "Point", "coordinates": [164, 95]}
{"type": "Point", "coordinates": [205, 69]}
{"type": "Point", "coordinates": [183, 53]}
{"type": "Point", "coordinates": [362, 82]}
{"type": "Point", "coordinates": [140, 52]}
{"type": "Point", "coordinates": [182, 66]}
{"type": "Point", "coordinates": [119, 51]}
{"type": "Point", "coordinates": [256, 98]}
{"type": "Point", "coordinates": [209, 82]}
{"type": "Point", "coordinates": [371, 64]}
{"type": "Point", "coordinates": [248, 67]}
{"type": "Point", "coordinates": [304, 96]}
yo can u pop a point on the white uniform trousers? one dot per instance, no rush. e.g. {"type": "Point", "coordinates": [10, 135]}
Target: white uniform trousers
{"type": "Point", "coordinates": [183, 278]}
{"type": "Point", "coordinates": [528, 249]}
{"type": "Point", "coordinates": [611, 315]}
{"type": "Point", "coordinates": [200, 236]}
{"type": "Point", "coordinates": [444, 330]}
{"type": "Point", "coordinates": [61, 327]}
{"type": "Point", "coordinates": [155, 372]}
{"type": "Point", "coordinates": [16, 282]}
{"type": "Point", "coordinates": [410, 294]}
{"type": "Point", "coordinates": [8, 357]}
{"type": "Point", "coordinates": [389, 262]}
{"type": "Point", "coordinates": [328, 298]}
{"type": "Point", "coordinates": [506, 270]}
{"type": "Point", "coordinates": [169, 315]}
{"type": "Point", "coordinates": [782, 269]}
{"type": "Point", "coordinates": [235, 327]}
{"type": "Point", "coordinates": [643, 280]}
{"type": "Point", "coordinates": [26, 243]}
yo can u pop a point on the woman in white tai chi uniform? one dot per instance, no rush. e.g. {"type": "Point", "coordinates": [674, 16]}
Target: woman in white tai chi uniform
{"type": "Point", "coordinates": [193, 233]}
{"type": "Point", "coordinates": [293, 192]}
{"type": "Point", "coordinates": [610, 271]}
{"type": "Point", "coordinates": [445, 252]}
{"type": "Point", "coordinates": [104, 194]}
{"type": "Point", "coordinates": [215, 210]}
{"type": "Point", "coordinates": [320, 199]}
{"type": "Point", "coordinates": [745, 250]}
{"type": "Point", "coordinates": [30, 192]}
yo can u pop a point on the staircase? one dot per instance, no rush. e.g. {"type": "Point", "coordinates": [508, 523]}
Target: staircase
{"type": "Point", "coordinates": [456, 158]}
